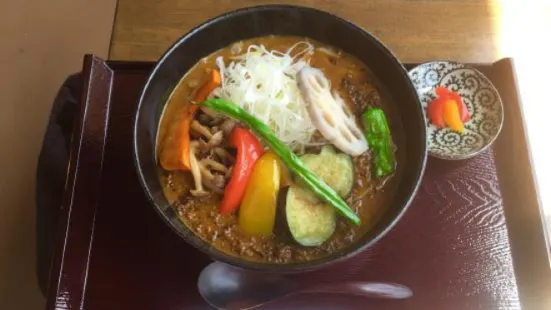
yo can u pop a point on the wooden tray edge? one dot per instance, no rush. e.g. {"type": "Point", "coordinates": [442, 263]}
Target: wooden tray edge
{"type": "Point", "coordinates": [81, 194]}
{"type": "Point", "coordinates": [521, 202]}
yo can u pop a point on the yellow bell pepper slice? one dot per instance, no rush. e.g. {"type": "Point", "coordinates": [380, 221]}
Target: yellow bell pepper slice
{"type": "Point", "coordinates": [257, 212]}
{"type": "Point", "coordinates": [451, 116]}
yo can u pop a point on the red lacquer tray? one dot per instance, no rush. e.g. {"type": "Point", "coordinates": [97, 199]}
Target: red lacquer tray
{"type": "Point", "coordinates": [472, 239]}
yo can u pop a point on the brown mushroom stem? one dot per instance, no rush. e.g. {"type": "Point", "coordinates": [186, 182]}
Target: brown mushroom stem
{"type": "Point", "coordinates": [210, 180]}
{"type": "Point", "coordinates": [196, 172]}
{"type": "Point", "coordinates": [223, 154]}
{"type": "Point", "coordinates": [216, 139]}
{"type": "Point", "coordinates": [209, 112]}
{"type": "Point", "coordinates": [214, 165]}
{"type": "Point", "coordinates": [204, 131]}
{"type": "Point", "coordinates": [227, 126]}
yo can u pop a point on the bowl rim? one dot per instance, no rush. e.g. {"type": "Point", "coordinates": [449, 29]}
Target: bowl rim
{"type": "Point", "coordinates": [499, 99]}
{"type": "Point", "coordinates": [294, 267]}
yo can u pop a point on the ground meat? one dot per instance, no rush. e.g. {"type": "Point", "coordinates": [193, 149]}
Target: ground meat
{"type": "Point", "coordinates": [171, 183]}
{"type": "Point", "coordinates": [364, 185]}
{"type": "Point", "coordinates": [362, 95]}
{"type": "Point", "coordinates": [284, 253]}
{"type": "Point", "coordinates": [203, 217]}
{"type": "Point", "coordinates": [362, 167]}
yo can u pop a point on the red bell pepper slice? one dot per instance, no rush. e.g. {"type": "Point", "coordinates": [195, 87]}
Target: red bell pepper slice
{"type": "Point", "coordinates": [435, 111]}
{"type": "Point", "coordinates": [249, 150]}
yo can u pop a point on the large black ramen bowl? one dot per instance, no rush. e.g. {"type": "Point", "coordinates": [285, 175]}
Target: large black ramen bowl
{"type": "Point", "coordinates": [280, 20]}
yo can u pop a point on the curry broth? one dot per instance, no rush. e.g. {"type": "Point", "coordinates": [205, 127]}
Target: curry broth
{"type": "Point", "coordinates": [369, 198]}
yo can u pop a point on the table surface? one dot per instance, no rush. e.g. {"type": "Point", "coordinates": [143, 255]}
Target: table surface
{"type": "Point", "coordinates": [416, 30]}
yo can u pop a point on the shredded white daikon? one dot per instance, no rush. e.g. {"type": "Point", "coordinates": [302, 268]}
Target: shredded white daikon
{"type": "Point", "coordinates": [263, 82]}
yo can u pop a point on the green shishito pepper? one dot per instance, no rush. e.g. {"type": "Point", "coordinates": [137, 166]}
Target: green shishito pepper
{"type": "Point", "coordinates": [290, 159]}
{"type": "Point", "coordinates": [379, 139]}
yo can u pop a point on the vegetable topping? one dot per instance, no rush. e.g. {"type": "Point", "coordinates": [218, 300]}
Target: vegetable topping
{"type": "Point", "coordinates": [320, 188]}
{"type": "Point", "coordinates": [335, 169]}
{"type": "Point", "coordinates": [249, 150]}
{"type": "Point", "coordinates": [311, 221]}
{"type": "Point", "coordinates": [263, 83]}
{"type": "Point", "coordinates": [378, 135]}
{"type": "Point", "coordinates": [327, 111]}
{"type": "Point", "coordinates": [257, 212]}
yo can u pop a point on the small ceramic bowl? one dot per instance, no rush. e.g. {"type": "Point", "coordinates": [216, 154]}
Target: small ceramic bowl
{"type": "Point", "coordinates": [477, 92]}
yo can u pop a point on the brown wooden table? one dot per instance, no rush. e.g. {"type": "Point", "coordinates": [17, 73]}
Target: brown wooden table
{"type": "Point", "coordinates": [416, 30]}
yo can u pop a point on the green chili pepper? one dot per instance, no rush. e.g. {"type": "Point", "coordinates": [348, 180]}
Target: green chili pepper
{"type": "Point", "coordinates": [379, 139]}
{"type": "Point", "coordinates": [287, 156]}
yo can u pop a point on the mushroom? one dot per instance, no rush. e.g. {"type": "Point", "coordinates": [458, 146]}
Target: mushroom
{"type": "Point", "coordinates": [227, 126]}
{"type": "Point", "coordinates": [210, 112]}
{"type": "Point", "coordinates": [210, 117]}
{"type": "Point", "coordinates": [219, 181]}
{"type": "Point", "coordinates": [214, 165]}
{"type": "Point", "coordinates": [198, 191]}
{"type": "Point", "coordinates": [223, 154]}
{"type": "Point", "coordinates": [214, 182]}
{"type": "Point", "coordinates": [203, 119]}
{"type": "Point", "coordinates": [203, 130]}
{"type": "Point", "coordinates": [202, 174]}
{"type": "Point", "coordinates": [328, 112]}
{"type": "Point", "coordinates": [216, 139]}
{"type": "Point", "coordinates": [228, 174]}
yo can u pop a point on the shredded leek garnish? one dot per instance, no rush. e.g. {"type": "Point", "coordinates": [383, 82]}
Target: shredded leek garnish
{"type": "Point", "coordinates": [263, 82]}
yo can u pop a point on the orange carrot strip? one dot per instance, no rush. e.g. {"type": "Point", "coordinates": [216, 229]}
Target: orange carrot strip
{"type": "Point", "coordinates": [176, 153]}
{"type": "Point", "coordinates": [208, 87]}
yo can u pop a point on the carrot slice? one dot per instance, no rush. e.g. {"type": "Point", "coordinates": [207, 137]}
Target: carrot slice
{"type": "Point", "coordinates": [207, 88]}
{"type": "Point", "coordinates": [175, 154]}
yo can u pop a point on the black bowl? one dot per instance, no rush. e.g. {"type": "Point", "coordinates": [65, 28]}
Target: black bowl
{"type": "Point", "coordinates": [281, 20]}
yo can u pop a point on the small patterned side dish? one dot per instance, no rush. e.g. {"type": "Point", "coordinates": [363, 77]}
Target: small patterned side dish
{"type": "Point", "coordinates": [480, 96]}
